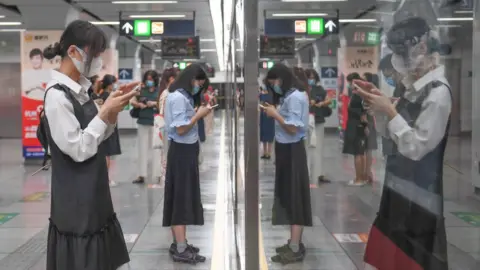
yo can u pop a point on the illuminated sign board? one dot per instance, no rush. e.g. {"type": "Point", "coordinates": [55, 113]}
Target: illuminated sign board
{"type": "Point", "coordinates": [315, 26]}
{"type": "Point", "coordinates": [367, 38]}
{"type": "Point", "coordinates": [147, 28]}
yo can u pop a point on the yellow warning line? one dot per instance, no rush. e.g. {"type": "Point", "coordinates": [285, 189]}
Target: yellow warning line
{"type": "Point", "coordinates": [261, 248]}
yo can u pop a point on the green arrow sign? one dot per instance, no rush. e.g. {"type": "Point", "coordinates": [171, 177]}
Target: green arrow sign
{"type": "Point", "coordinates": [142, 28]}
{"type": "Point", "coordinates": [315, 26]}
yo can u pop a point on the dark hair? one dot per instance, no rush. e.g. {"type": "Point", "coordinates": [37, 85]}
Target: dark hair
{"type": "Point", "coordinates": [301, 81]}
{"type": "Point", "coordinates": [281, 71]}
{"type": "Point", "coordinates": [166, 75]}
{"type": "Point", "coordinates": [309, 72]}
{"type": "Point", "coordinates": [371, 78]}
{"type": "Point", "coordinates": [108, 80]}
{"type": "Point", "coordinates": [184, 81]}
{"type": "Point", "coordinates": [36, 52]}
{"type": "Point", "coordinates": [83, 35]}
{"type": "Point", "coordinates": [153, 74]}
{"type": "Point", "coordinates": [353, 76]}
{"type": "Point", "coordinates": [385, 63]}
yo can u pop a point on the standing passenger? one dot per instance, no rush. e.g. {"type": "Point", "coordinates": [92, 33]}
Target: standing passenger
{"type": "Point", "coordinates": [292, 204]}
{"type": "Point", "coordinates": [84, 232]}
{"type": "Point", "coordinates": [182, 203]}
{"type": "Point", "coordinates": [147, 103]}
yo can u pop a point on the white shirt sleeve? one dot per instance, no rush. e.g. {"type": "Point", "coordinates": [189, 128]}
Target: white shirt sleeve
{"type": "Point", "coordinates": [65, 129]}
{"type": "Point", "coordinates": [429, 129]}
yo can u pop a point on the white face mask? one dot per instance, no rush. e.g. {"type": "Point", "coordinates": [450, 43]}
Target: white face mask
{"type": "Point", "coordinates": [95, 67]}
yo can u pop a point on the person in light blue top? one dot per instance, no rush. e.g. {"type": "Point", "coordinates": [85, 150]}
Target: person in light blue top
{"type": "Point", "coordinates": [182, 200]}
{"type": "Point", "coordinates": [292, 204]}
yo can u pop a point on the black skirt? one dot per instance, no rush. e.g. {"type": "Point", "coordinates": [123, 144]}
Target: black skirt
{"type": "Point", "coordinates": [112, 144]}
{"type": "Point", "coordinates": [292, 204]}
{"type": "Point", "coordinates": [182, 200]}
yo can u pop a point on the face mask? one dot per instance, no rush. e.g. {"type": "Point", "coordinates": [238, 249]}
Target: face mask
{"type": "Point", "coordinates": [390, 81]}
{"type": "Point", "coordinates": [149, 83]}
{"type": "Point", "coordinates": [95, 66]}
{"type": "Point", "coordinates": [278, 89]}
{"type": "Point", "coordinates": [311, 82]}
{"type": "Point", "coordinates": [195, 90]}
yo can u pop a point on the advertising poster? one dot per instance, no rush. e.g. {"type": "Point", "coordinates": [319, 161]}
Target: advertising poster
{"type": "Point", "coordinates": [353, 59]}
{"type": "Point", "coordinates": [36, 73]}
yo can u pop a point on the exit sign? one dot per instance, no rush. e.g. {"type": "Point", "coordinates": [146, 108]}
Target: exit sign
{"type": "Point", "coordinates": [142, 28]}
{"type": "Point", "coordinates": [315, 26]}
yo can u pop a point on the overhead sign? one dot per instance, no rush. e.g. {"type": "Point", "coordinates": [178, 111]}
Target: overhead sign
{"type": "Point", "coordinates": [125, 74]}
{"type": "Point", "coordinates": [315, 26]}
{"type": "Point", "coordinates": [329, 72]}
{"type": "Point", "coordinates": [126, 28]}
{"type": "Point", "coordinates": [368, 38]}
{"type": "Point", "coordinates": [147, 28]}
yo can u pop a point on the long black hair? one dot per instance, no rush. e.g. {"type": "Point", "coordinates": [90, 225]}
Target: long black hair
{"type": "Point", "coordinates": [184, 81]}
{"type": "Point", "coordinates": [280, 71]}
{"type": "Point", "coordinates": [83, 35]}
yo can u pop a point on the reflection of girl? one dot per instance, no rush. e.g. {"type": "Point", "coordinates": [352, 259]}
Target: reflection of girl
{"type": "Point", "coordinates": [292, 204]}
{"type": "Point", "coordinates": [112, 144]}
{"type": "Point", "coordinates": [267, 125]}
{"type": "Point", "coordinates": [182, 203]}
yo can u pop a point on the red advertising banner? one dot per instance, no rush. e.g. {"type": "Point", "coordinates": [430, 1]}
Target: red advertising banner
{"type": "Point", "coordinates": [36, 73]}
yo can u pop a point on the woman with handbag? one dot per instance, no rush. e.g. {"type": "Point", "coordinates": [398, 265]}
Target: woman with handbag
{"type": "Point", "coordinates": [111, 145]}
{"type": "Point", "coordinates": [319, 110]}
{"type": "Point", "coordinates": [160, 134]}
{"type": "Point", "coordinates": [145, 107]}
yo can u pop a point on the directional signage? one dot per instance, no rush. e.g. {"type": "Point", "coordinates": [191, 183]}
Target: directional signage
{"type": "Point", "coordinates": [147, 28]}
{"type": "Point", "coordinates": [126, 28]}
{"type": "Point", "coordinates": [125, 74]}
{"type": "Point", "coordinates": [329, 72]}
{"type": "Point", "coordinates": [315, 26]}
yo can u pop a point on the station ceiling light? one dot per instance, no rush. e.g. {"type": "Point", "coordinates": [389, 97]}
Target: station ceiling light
{"type": "Point", "coordinates": [298, 14]}
{"type": "Point", "coordinates": [298, 1]}
{"type": "Point", "coordinates": [2, 16]}
{"type": "Point", "coordinates": [158, 16]}
{"type": "Point", "coordinates": [12, 30]}
{"type": "Point", "coordinates": [458, 19]}
{"type": "Point", "coordinates": [10, 23]}
{"type": "Point", "coordinates": [357, 20]}
{"type": "Point", "coordinates": [144, 2]}
{"type": "Point", "coordinates": [105, 23]}
{"type": "Point", "coordinates": [208, 50]}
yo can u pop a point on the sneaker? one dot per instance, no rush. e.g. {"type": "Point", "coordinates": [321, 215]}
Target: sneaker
{"type": "Point", "coordinates": [113, 184]}
{"type": "Point", "coordinates": [287, 256]}
{"type": "Point", "coordinates": [354, 183]}
{"type": "Point", "coordinates": [286, 246]}
{"type": "Point", "coordinates": [187, 256]}
{"type": "Point", "coordinates": [173, 248]}
{"type": "Point", "coordinates": [139, 180]}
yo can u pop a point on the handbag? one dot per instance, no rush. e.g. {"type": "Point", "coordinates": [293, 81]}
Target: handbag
{"type": "Point", "coordinates": [158, 127]}
{"type": "Point", "coordinates": [326, 111]}
{"type": "Point", "coordinates": [135, 112]}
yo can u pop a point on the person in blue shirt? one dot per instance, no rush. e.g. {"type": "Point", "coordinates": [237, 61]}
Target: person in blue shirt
{"type": "Point", "coordinates": [292, 204]}
{"type": "Point", "coordinates": [182, 200]}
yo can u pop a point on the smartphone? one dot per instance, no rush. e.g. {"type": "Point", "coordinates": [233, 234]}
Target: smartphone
{"type": "Point", "coordinates": [137, 88]}
{"type": "Point", "coordinates": [214, 106]}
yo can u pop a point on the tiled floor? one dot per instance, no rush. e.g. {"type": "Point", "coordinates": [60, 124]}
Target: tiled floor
{"type": "Point", "coordinates": [337, 210]}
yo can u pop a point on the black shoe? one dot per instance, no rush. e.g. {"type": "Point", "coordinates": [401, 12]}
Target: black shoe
{"type": "Point", "coordinates": [323, 180]}
{"type": "Point", "coordinates": [173, 248]}
{"type": "Point", "coordinates": [139, 180]}
{"type": "Point", "coordinates": [268, 157]}
{"type": "Point", "coordinates": [263, 157]}
{"type": "Point", "coordinates": [187, 256]}
{"type": "Point", "coordinates": [287, 256]}
{"type": "Point", "coordinates": [285, 247]}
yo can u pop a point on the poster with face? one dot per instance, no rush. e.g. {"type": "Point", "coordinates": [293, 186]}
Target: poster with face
{"type": "Point", "coordinates": [35, 74]}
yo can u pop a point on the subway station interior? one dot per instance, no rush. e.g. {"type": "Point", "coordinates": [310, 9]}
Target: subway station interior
{"type": "Point", "coordinates": [360, 208]}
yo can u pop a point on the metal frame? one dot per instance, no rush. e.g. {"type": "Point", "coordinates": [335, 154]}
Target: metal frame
{"type": "Point", "coordinates": [252, 260]}
{"type": "Point", "coordinates": [476, 99]}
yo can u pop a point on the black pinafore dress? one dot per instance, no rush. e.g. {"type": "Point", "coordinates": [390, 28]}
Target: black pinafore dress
{"type": "Point", "coordinates": [409, 230]}
{"type": "Point", "coordinates": [84, 232]}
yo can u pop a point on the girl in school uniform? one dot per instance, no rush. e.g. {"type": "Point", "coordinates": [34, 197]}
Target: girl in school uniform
{"type": "Point", "coordinates": [182, 203]}
{"type": "Point", "coordinates": [292, 204]}
{"type": "Point", "coordinates": [84, 232]}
